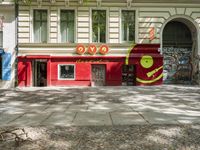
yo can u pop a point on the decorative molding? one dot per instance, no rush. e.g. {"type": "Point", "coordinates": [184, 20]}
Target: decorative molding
{"type": "Point", "coordinates": [99, 3]}
{"type": "Point", "coordinates": [66, 3]}
{"type": "Point", "coordinates": [1, 22]}
{"type": "Point", "coordinates": [52, 1]}
{"type": "Point", "coordinates": [39, 2]}
{"type": "Point", "coordinates": [129, 3]}
{"type": "Point", "coordinates": [81, 2]}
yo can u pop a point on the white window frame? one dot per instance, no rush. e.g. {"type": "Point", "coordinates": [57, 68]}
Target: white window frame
{"type": "Point", "coordinates": [107, 23]}
{"type": "Point", "coordinates": [32, 22]}
{"type": "Point", "coordinates": [66, 78]}
{"type": "Point", "coordinates": [2, 38]}
{"type": "Point", "coordinates": [136, 24]}
{"type": "Point", "coordinates": [75, 23]}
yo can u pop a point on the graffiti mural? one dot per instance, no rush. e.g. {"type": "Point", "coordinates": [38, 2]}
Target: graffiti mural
{"type": "Point", "coordinates": [177, 65]}
{"type": "Point", "coordinates": [147, 62]}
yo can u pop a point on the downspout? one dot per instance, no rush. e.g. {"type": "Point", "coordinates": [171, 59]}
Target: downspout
{"type": "Point", "coordinates": [16, 41]}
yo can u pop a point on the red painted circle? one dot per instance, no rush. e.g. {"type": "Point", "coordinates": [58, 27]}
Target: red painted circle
{"type": "Point", "coordinates": [80, 49]}
{"type": "Point", "coordinates": [92, 49]}
{"type": "Point", "coordinates": [103, 49]}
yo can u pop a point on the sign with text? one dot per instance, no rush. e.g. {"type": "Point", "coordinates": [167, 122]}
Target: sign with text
{"type": "Point", "coordinates": [103, 49]}
{"type": "Point", "coordinates": [80, 49]}
{"type": "Point", "coordinates": [92, 49]}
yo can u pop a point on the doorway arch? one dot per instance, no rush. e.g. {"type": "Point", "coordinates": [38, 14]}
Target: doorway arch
{"type": "Point", "coordinates": [179, 44]}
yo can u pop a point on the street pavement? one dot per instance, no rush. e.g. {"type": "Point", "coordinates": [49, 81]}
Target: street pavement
{"type": "Point", "coordinates": [100, 106]}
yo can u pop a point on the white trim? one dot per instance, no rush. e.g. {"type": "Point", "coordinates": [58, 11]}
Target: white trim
{"type": "Point", "coordinates": [75, 23]}
{"type": "Point", "coordinates": [107, 23]}
{"type": "Point", "coordinates": [66, 78]}
{"type": "Point", "coordinates": [1, 46]}
{"type": "Point", "coordinates": [32, 22]}
{"type": "Point", "coordinates": [187, 18]}
{"type": "Point", "coordinates": [136, 24]}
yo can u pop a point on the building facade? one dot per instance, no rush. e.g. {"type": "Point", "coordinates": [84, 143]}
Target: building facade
{"type": "Point", "coordinates": [107, 42]}
{"type": "Point", "coordinates": [7, 44]}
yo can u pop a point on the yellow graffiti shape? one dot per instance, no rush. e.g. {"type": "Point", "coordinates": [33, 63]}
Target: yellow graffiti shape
{"type": "Point", "coordinates": [146, 61]}
{"type": "Point", "coordinates": [151, 73]}
{"type": "Point", "coordinates": [149, 81]}
{"type": "Point", "coordinates": [128, 53]}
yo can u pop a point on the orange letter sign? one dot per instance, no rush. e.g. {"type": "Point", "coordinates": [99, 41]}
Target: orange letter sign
{"type": "Point", "coordinates": [80, 49]}
{"type": "Point", "coordinates": [92, 49]}
{"type": "Point", "coordinates": [103, 49]}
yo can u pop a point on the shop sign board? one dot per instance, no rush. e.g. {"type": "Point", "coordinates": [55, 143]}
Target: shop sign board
{"type": "Point", "coordinates": [92, 49]}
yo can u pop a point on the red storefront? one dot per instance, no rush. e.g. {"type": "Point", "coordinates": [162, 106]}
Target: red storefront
{"type": "Point", "coordinates": [143, 65]}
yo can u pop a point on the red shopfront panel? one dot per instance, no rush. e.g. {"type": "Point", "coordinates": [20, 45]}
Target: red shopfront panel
{"type": "Point", "coordinates": [22, 69]}
{"type": "Point", "coordinates": [83, 71]}
{"type": "Point", "coordinates": [149, 64]}
{"type": "Point", "coordinates": [113, 73]}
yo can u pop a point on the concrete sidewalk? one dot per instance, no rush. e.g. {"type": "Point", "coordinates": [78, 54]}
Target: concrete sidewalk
{"type": "Point", "coordinates": [86, 106]}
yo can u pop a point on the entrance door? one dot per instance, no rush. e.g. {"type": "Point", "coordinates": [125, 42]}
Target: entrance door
{"type": "Point", "coordinates": [40, 73]}
{"type": "Point", "coordinates": [128, 75]}
{"type": "Point", "coordinates": [177, 51]}
{"type": "Point", "coordinates": [98, 75]}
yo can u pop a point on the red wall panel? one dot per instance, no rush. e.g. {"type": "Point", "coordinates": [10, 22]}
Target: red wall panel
{"type": "Point", "coordinates": [83, 71]}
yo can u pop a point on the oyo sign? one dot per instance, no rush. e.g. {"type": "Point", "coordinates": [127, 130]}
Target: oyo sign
{"type": "Point", "coordinates": [92, 49]}
{"type": "Point", "coordinates": [80, 49]}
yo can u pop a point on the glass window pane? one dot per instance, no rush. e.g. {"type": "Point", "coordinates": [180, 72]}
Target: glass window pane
{"type": "Point", "coordinates": [99, 26]}
{"type": "Point", "coordinates": [128, 25]}
{"type": "Point", "coordinates": [44, 32]}
{"type": "Point", "coordinates": [63, 32]}
{"type": "Point", "coordinates": [36, 15]}
{"type": "Point", "coordinates": [67, 26]}
{"type": "Point", "coordinates": [71, 32]}
{"type": "Point", "coordinates": [63, 16]}
{"type": "Point", "coordinates": [95, 32]}
{"type": "Point", "coordinates": [67, 71]}
{"type": "Point", "coordinates": [40, 26]}
{"type": "Point", "coordinates": [37, 32]}
{"type": "Point", "coordinates": [44, 15]}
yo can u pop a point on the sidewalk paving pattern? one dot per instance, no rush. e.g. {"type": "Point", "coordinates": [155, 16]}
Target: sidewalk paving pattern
{"type": "Point", "coordinates": [88, 106]}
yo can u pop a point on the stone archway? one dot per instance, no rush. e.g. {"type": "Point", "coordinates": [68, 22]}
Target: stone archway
{"type": "Point", "coordinates": [180, 51]}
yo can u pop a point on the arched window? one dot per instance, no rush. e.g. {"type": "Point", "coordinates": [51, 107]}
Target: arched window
{"type": "Point", "coordinates": [177, 34]}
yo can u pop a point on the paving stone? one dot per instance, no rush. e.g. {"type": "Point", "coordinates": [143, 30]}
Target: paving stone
{"type": "Point", "coordinates": [92, 118]}
{"type": "Point", "coordinates": [158, 118]}
{"type": "Point", "coordinates": [36, 108]}
{"type": "Point", "coordinates": [12, 110]}
{"type": "Point", "coordinates": [60, 119]}
{"type": "Point", "coordinates": [31, 119]}
{"type": "Point", "coordinates": [126, 118]}
{"type": "Point", "coordinates": [56, 108]}
{"type": "Point", "coordinates": [109, 107]}
{"type": "Point", "coordinates": [6, 118]}
{"type": "Point", "coordinates": [77, 108]}
{"type": "Point", "coordinates": [187, 118]}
